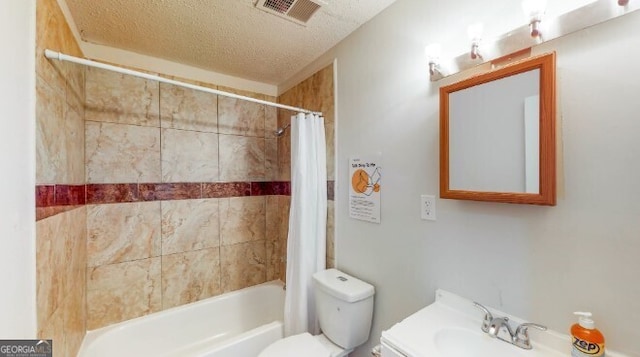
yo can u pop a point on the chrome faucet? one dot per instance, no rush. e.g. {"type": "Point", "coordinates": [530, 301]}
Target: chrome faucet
{"type": "Point", "coordinates": [492, 326]}
{"type": "Point", "coordinates": [521, 337]}
{"type": "Point", "coordinates": [487, 317]}
{"type": "Point", "coordinates": [501, 323]}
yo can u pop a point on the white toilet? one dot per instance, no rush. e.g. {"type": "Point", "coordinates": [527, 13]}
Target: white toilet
{"type": "Point", "coordinates": [344, 306]}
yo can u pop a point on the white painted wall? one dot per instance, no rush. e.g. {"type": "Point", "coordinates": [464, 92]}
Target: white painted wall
{"type": "Point", "coordinates": [17, 160]}
{"type": "Point", "coordinates": [540, 263]}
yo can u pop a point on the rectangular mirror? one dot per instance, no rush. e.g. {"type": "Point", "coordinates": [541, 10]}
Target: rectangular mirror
{"type": "Point", "coordinates": [497, 135]}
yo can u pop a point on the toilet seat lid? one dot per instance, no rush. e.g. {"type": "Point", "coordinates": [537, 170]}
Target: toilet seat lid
{"type": "Point", "coordinates": [297, 345]}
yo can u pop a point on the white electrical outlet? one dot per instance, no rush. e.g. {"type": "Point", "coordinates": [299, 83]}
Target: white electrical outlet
{"type": "Point", "coordinates": [428, 207]}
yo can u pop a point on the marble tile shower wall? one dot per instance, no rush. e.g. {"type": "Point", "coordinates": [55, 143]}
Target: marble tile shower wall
{"type": "Point", "coordinates": [167, 236]}
{"type": "Point", "coordinates": [315, 93]}
{"type": "Point", "coordinates": [60, 239]}
{"type": "Point", "coordinates": [144, 257]}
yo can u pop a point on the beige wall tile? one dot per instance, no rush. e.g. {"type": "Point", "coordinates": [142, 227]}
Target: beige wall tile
{"type": "Point", "coordinates": [51, 72]}
{"type": "Point", "coordinates": [190, 276]}
{"type": "Point", "coordinates": [293, 96]}
{"type": "Point", "coordinates": [189, 156]}
{"type": "Point", "coordinates": [242, 158]}
{"type": "Point", "coordinates": [75, 231]}
{"type": "Point", "coordinates": [50, 259]}
{"type": "Point", "coordinates": [119, 292]}
{"type": "Point", "coordinates": [59, 138]}
{"type": "Point", "coordinates": [283, 115]}
{"type": "Point", "coordinates": [190, 225]}
{"type": "Point", "coordinates": [187, 109]}
{"type": "Point", "coordinates": [60, 86]}
{"type": "Point", "coordinates": [74, 147]}
{"type": "Point", "coordinates": [239, 117]}
{"type": "Point", "coordinates": [53, 33]}
{"type": "Point", "coordinates": [325, 90]}
{"type": "Point", "coordinates": [315, 93]}
{"type": "Point", "coordinates": [284, 156]}
{"type": "Point", "coordinates": [243, 265]}
{"type": "Point", "coordinates": [52, 30]}
{"type": "Point", "coordinates": [284, 202]}
{"type": "Point", "coordinates": [118, 153]}
{"type": "Point", "coordinates": [270, 119]}
{"type": "Point", "coordinates": [54, 329]}
{"type": "Point", "coordinates": [61, 280]}
{"type": "Point", "coordinates": [330, 142]}
{"type": "Point", "coordinates": [242, 219]}
{"type": "Point", "coordinates": [51, 155]}
{"type": "Point", "coordinates": [118, 98]}
{"type": "Point", "coordinates": [75, 318]}
{"type": "Point", "coordinates": [330, 230]}
{"type": "Point", "coordinates": [272, 238]}
{"type": "Point", "coordinates": [271, 159]}
{"type": "Point", "coordinates": [244, 93]}
{"type": "Point", "coordinates": [75, 86]}
{"type": "Point", "coordinates": [272, 253]}
{"type": "Point", "coordinates": [60, 268]}
{"type": "Point", "coordinates": [331, 262]}
{"type": "Point", "coordinates": [272, 216]}
{"type": "Point", "coordinates": [60, 240]}
{"type": "Point", "coordinates": [122, 232]}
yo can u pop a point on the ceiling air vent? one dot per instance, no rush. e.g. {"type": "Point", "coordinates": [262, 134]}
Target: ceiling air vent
{"type": "Point", "coordinates": [298, 11]}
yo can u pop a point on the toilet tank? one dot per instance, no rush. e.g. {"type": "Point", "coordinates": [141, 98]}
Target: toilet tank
{"type": "Point", "coordinates": [344, 306]}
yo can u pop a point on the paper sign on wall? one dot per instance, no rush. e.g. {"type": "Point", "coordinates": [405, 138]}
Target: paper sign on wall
{"type": "Point", "coordinates": [364, 190]}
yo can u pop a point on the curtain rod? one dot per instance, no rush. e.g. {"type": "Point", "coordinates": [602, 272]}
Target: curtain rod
{"type": "Point", "coordinates": [63, 57]}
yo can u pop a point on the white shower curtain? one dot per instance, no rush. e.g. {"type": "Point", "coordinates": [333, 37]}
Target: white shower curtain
{"type": "Point", "coordinates": [306, 243]}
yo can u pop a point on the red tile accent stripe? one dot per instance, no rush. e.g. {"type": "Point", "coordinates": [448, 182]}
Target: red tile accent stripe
{"type": "Point", "coordinates": [45, 195]}
{"type": "Point", "coordinates": [270, 188]}
{"type": "Point", "coordinates": [112, 193]}
{"type": "Point", "coordinates": [53, 199]}
{"type": "Point", "coordinates": [170, 191]}
{"type": "Point", "coordinates": [226, 189]}
{"type": "Point", "coordinates": [70, 195]}
{"type": "Point", "coordinates": [331, 190]}
{"type": "Point", "coordinates": [65, 195]}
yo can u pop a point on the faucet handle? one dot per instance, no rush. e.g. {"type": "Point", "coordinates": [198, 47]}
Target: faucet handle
{"type": "Point", "coordinates": [521, 337]}
{"type": "Point", "coordinates": [524, 328]}
{"type": "Point", "coordinates": [487, 316]}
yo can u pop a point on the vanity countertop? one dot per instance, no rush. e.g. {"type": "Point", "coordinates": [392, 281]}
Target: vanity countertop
{"type": "Point", "coordinates": [451, 327]}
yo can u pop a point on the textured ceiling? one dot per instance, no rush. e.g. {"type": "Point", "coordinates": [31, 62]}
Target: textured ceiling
{"type": "Point", "coordinates": [226, 36]}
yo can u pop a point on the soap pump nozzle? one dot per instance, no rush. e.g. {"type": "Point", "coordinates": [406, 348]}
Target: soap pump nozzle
{"type": "Point", "coordinates": [585, 320]}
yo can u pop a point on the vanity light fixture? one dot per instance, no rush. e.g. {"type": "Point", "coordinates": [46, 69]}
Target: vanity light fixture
{"type": "Point", "coordinates": [475, 35]}
{"type": "Point", "coordinates": [532, 33]}
{"type": "Point", "coordinates": [432, 52]}
{"type": "Point", "coordinates": [534, 10]}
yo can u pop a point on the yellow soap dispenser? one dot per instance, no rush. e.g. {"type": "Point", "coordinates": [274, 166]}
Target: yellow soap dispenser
{"type": "Point", "coordinates": [587, 340]}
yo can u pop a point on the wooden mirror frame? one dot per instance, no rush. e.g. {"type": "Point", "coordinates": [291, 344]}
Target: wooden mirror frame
{"type": "Point", "coordinates": [547, 193]}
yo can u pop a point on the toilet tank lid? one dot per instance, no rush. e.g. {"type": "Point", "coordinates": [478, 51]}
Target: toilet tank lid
{"type": "Point", "coordinates": [342, 286]}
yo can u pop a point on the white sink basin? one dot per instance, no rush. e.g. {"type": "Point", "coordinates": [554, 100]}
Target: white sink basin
{"type": "Point", "coordinates": [457, 342]}
{"type": "Point", "coordinates": [451, 327]}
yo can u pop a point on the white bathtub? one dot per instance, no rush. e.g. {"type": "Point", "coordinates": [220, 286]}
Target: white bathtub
{"type": "Point", "coordinates": [237, 324]}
